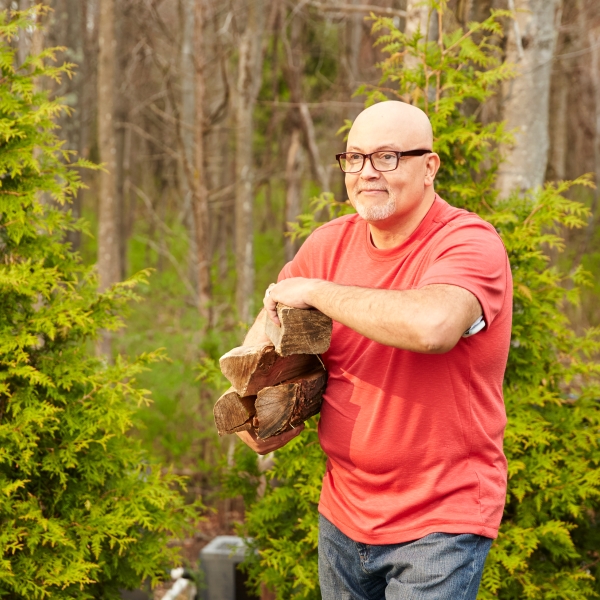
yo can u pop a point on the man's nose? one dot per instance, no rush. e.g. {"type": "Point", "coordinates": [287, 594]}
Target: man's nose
{"type": "Point", "coordinates": [368, 171]}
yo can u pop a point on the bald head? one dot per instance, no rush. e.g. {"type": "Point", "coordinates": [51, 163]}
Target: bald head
{"type": "Point", "coordinates": [391, 125]}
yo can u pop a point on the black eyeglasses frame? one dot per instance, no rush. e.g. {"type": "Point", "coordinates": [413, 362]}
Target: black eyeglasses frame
{"type": "Point", "coordinates": [399, 155]}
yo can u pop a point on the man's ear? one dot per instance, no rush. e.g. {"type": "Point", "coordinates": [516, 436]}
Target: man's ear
{"type": "Point", "coordinates": [432, 166]}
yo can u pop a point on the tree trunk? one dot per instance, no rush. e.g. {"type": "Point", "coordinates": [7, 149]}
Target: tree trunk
{"type": "Point", "coordinates": [294, 73]}
{"type": "Point", "coordinates": [557, 160]}
{"type": "Point", "coordinates": [186, 128]}
{"type": "Point", "coordinates": [201, 225]}
{"type": "Point", "coordinates": [293, 183]}
{"type": "Point", "coordinates": [531, 42]}
{"type": "Point", "coordinates": [108, 246]}
{"type": "Point", "coordinates": [248, 84]}
{"type": "Point", "coordinates": [594, 43]}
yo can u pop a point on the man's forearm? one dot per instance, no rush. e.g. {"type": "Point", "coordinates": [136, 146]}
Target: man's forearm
{"type": "Point", "coordinates": [429, 320]}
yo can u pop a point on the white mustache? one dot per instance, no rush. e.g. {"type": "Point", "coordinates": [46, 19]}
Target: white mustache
{"type": "Point", "coordinates": [372, 188]}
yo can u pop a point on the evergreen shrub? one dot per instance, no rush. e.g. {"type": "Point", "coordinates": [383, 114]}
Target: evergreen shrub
{"type": "Point", "coordinates": [549, 538]}
{"type": "Point", "coordinates": [83, 511]}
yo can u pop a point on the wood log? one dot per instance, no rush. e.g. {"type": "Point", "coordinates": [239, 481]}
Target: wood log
{"type": "Point", "coordinates": [249, 369]}
{"type": "Point", "coordinates": [301, 331]}
{"type": "Point", "coordinates": [289, 404]}
{"type": "Point", "coordinates": [234, 413]}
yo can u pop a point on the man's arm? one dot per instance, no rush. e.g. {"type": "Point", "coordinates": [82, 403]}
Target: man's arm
{"type": "Point", "coordinates": [430, 320]}
{"type": "Point", "coordinates": [256, 336]}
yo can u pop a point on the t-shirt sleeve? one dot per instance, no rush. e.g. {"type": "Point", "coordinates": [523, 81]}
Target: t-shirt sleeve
{"type": "Point", "coordinates": [299, 266]}
{"type": "Point", "coordinates": [473, 257]}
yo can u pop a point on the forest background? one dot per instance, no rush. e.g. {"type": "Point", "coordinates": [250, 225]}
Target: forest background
{"type": "Point", "coordinates": [217, 121]}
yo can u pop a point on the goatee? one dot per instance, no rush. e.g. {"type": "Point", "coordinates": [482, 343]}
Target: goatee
{"type": "Point", "coordinates": [374, 212]}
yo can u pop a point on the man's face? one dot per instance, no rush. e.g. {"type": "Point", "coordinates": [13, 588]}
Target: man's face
{"type": "Point", "coordinates": [391, 196]}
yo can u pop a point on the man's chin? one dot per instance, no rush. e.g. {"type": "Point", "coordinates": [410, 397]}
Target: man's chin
{"type": "Point", "coordinates": [377, 212]}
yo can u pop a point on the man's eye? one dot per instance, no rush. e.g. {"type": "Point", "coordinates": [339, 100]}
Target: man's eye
{"type": "Point", "coordinates": [387, 156]}
{"type": "Point", "coordinates": [353, 157]}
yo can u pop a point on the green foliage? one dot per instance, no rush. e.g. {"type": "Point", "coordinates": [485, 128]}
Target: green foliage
{"type": "Point", "coordinates": [549, 539]}
{"type": "Point", "coordinates": [84, 511]}
{"type": "Point", "coordinates": [324, 204]}
{"type": "Point", "coordinates": [446, 79]}
{"type": "Point", "coordinates": [283, 524]}
{"type": "Point", "coordinates": [551, 390]}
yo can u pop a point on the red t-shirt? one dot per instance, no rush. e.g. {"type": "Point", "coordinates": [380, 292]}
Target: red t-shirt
{"type": "Point", "coordinates": [414, 441]}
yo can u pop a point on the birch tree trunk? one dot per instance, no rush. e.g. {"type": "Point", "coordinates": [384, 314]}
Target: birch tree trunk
{"type": "Point", "coordinates": [531, 43]}
{"type": "Point", "coordinates": [108, 248]}
{"type": "Point", "coordinates": [248, 85]}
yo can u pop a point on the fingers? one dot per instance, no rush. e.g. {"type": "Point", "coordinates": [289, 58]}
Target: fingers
{"type": "Point", "coordinates": [271, 305]}
{"type": "Point", "coordinates": [269, 445]}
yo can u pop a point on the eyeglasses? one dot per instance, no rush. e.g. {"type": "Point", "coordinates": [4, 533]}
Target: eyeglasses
{"type": "Point", "coordinates": [384, 160]}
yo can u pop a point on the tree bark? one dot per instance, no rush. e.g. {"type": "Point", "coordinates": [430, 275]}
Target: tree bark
{"type": "Point", "coordinates": [108, 248]}
{"type": "Point", "coordinates": [201, 225]}
{"type": "Point", "coordinates": [293, 184]}
{"type": "Point", "coordinates": [294, 72]}
{"type": "Point", "coordinates": [531, 42]}
{"type": "Point", "coordinates": [248, 85]}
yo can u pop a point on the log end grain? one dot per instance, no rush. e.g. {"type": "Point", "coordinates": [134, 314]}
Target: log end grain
{"type": "Point", "coordinates": [233, 413]}
{"type": "Point", "coordinates": [240, 364]}
{"type": "Point", "coordinates": [289, 404]}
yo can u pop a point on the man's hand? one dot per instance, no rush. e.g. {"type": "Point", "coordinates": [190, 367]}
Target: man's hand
{"type": "Point", "coordinates": [295, 292]}
{"type": "Point", "coordinates": [273, 443]}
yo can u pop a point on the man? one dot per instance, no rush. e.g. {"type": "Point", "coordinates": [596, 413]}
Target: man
{"type": "Point", "coordinates": [413, 418]}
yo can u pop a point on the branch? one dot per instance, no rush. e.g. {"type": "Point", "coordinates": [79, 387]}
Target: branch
{"type": "Point", "coordinates": [324, 104]}
{"type": "Point", "coordinates": [359, 8]}
{"type": "Point", "coordinates": [142, 133]}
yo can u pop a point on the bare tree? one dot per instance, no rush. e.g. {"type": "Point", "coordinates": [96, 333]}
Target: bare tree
{"type": "Point", "coordinates": [201, 226]}
{"type": "Point", "coordinates": [248, 84]}
{"type": "Point", "coordinates": [294, 70]}
{"type": "Point", "coordinates": [525, 105]}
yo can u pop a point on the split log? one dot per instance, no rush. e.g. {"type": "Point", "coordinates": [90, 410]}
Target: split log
{"type": "Point", "coordinates": [234, 413]}
{"type": "Point", "coordinates": [289, 404]}
{"type": "Point", "coordinates": [301, 331]}
{"type": "Point", "coordinates": [249, 369]}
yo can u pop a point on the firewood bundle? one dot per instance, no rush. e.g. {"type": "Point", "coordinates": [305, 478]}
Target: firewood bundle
{"type": "Point", "coordinates": [277, 385]}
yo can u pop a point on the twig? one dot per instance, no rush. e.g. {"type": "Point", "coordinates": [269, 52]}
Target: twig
{"type": "Point", "coordinates": [359, 8]}
{"type": "Point", "coordinates": [141, 132]}
{"type": "Point", "coordinates": [325, 104]}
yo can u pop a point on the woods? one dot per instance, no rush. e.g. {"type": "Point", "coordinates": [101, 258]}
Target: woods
{"type": "Point", "coordinates": [216, 123]}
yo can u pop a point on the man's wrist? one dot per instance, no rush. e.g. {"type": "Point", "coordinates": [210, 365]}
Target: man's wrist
{"type": "Point", "coordinates": [316, 293]}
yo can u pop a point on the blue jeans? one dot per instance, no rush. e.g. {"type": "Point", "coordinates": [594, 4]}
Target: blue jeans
{"type": "Point", "coordinates": [440, 566]}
